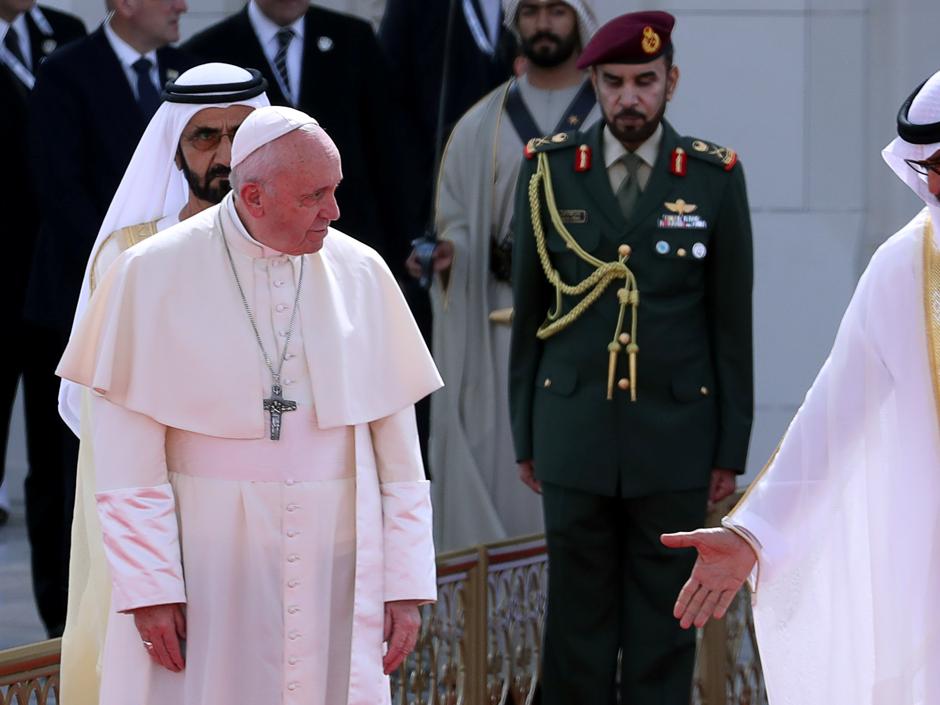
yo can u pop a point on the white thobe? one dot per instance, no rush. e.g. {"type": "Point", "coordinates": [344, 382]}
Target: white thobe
{"type": "Point", "coordinates": [845, 517]}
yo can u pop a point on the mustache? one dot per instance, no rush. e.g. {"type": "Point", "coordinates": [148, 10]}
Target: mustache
{"type": "Point", "coordinates": [544, 35]}
{"type": "Point", "coordinates": [218, 170]}
{"type": "Point", "coordinates": [630, 112]}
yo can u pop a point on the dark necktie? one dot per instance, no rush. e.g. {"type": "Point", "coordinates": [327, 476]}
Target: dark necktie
{"type": "Point", "coordinates": [284, 37]}
{"type": "Point", "coordinates": [12, 42]}
{"type": "Point", "coordinates": [147, 96]}
{"type": "Point", "coordinates": [629, 192]}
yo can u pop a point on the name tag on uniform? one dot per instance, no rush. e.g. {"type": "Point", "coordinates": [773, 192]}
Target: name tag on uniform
{"type": "Point", "coordinates": [573, 216]}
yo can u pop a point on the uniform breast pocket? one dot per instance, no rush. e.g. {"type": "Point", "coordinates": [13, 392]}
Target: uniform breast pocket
{"type": "Point", "coordinates": [681, 257]}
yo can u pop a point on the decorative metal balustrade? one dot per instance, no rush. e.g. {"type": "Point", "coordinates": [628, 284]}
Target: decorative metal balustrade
{"type": "Point", "coordinates": [480, 643]}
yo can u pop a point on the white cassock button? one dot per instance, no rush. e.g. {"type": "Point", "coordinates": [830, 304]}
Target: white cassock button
{"type": "Point", "coordinates": [289, 483]}
{"type": "Point", "coordinates": [293, 635]}
{"type": "Point", "coordinates": [293, 609]}
{"type": "Point", "coordinates": [282, 333]}
{"type": "Point", "coordinates": [289, 356]}
{"type": "Point", "coordinates": [289, 381]}
{"type": "Point", "coordinates": [292, 534]}
{"type": "Point", "coordinates": [293, 583]}
{"type": "Point", "coordinates": [293, 558]}
{"type": "Point", "coordinates": [279, 283]}
{"type": "Point", "coordinates": [292, 660]}
{"type": "Point", "coordinates": [292, 507]}
{"type": "Point", "coordinates": [280, 308]}
{"type": "Point", "coordinates": [292, 686]}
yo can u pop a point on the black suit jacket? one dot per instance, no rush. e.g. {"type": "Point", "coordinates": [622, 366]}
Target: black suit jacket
{"type": "Point", "coordinates": [412, 37]}
{"type": "Point", "coordinates": [22, 213]}
{"type": "Point", "coordinates": [85, 124]}
{"type": "Point", "coordinates": [345, 88]}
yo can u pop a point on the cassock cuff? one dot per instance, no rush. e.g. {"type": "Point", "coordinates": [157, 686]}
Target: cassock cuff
{"type": "Point", "coordinates": [410, 572]}
{"type": "Point", "coordinates": [141, 542]}
{"type": "Point", "coordinates": [732, 523]}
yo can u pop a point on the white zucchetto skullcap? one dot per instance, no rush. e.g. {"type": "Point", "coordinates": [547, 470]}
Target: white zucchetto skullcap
{"type": "Point", "coordinates": [265, 125]}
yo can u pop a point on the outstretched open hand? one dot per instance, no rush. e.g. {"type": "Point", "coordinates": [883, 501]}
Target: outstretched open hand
{"type": "Point", "coordinates": [724, 562]}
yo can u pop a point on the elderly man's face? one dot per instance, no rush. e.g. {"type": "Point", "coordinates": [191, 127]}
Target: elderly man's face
{"type": "Point", "coordinates": [299, 202]}
{"type": "Point", "coordinates": [156, 21]}
{"type": "Point", "coordinates": [283, 12]}
{"type": "Point", "coordinates": [633, 97]}
{"type": "Point", "coordinates": [933, 178]}
{"type": "Point", "coordinates": [549, 32]}
{"type": "Point", "coordinates": [204, 154]}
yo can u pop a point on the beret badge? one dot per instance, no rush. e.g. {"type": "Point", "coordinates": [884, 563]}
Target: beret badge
{"type": "Point", "coordinates": [651, 41]}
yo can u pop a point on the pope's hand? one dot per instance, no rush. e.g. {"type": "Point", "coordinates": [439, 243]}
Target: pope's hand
{"type": "Point", "coordinates": [161, 628]}
{"type": "Point", "coordinates": [724, 562]}
{"type": "Point", "coordinates": [402, 623]}
{"type": "Point", "coordinates": [441, 259]}
{"type": "Point", "coordinates": [527, 475]}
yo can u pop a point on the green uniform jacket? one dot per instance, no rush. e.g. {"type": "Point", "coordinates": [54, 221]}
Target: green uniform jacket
{"type": "Point", "coordinates": [694, 272]}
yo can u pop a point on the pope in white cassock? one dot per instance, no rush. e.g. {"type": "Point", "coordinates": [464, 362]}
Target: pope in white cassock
{"type": "Point", "coordinates": [840, 534]}
{"type": "Point", "coordinates": [180, 167]}
{"type": "Point", "coordinates": [259, 482]}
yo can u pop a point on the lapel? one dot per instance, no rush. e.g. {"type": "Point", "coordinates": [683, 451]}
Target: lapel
{"type": "Point", "coordinates": [243, 35]}
{"type": "Point", "coordinates": [37, 44]}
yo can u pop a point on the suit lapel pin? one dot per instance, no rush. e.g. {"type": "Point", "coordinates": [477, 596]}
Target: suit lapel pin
{"type": "Point", "coordinates": [677, 162]}
{"type": "Point", "coordinates": [582, 158]}
{"type": "Point", "coordinates": [172, 74]}
{"type": "Point", "coordinates": [49, 46]}
{"type": "Point", "coordinates": [324, 43]}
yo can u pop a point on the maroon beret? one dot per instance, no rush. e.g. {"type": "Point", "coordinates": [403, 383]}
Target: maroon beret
{"type": "Point", "coordinates": [634, 38]}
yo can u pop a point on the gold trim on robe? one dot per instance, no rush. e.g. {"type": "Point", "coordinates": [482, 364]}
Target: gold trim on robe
{"type": "Point", "coordinates": [125, 238]}
{"type": "Point", "coordinates": [932, 307]}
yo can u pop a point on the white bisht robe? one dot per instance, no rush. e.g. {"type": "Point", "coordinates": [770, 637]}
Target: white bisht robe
{"type": "Point", "coordinates": [475, 484]}
{"type": "Point", "coordinates": [846, 516]}
{"type": "Point", "coordinates": [198, 506]}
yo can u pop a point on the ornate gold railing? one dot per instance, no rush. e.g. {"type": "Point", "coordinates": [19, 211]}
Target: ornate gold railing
{"type": "Point", "coordinates": [480, 643]}
{"type": "Point", "coordinates": [29, 675]}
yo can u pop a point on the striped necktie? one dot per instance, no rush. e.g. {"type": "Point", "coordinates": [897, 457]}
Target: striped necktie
{"type": "Point", "coordinates": [285, 36]}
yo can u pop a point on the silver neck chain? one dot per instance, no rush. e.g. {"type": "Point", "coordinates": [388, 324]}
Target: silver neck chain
{"type": "Point", "coordinates": [275, 374]}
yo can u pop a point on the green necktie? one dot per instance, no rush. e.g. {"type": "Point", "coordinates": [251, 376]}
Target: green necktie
{"type": "Point", "coordinates": [629, 192]}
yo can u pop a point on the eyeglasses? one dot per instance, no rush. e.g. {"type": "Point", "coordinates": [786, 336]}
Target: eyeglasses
{"type": "Point", "coordinates": [205, 138]}
{"type": "Point", "coordinates": [925, 167]}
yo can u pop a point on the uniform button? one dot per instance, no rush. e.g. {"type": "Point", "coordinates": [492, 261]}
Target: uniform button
{"type": "Point", "coordinates": [681, 252]}
{"type": "Point", "coordinates": [292, 660]}
{"type": "Point", "coordinates": [292, 507]}
{"type": "Point", "coordinates": [280, 308]}
{"type": "Point", "coordinates": [624, 338]}
{"type": "Point", "coordinates": [547, 383]}
{"type": "Point", "coordinates": [623, 383]}
{"type": "Point", "coordinates": [704, 391]}
{"type": "Point", "coordinates": [293, 558]}
{"type": "Point", "coordinates": [293, 609]}
{"type": "Point", "coordinates": [624, 250]}
{"type": "Point", "coordinates": [293, 583]}
{"type": "Point", "coordinates": [293, 635]}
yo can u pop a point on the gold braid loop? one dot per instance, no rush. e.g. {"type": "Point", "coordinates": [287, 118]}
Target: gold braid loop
{"type": "Point", "coordinates": [592, 287]}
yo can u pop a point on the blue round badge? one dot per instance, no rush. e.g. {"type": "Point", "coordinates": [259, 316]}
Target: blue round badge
{"type": "Point", "coordinates": [662, 247]}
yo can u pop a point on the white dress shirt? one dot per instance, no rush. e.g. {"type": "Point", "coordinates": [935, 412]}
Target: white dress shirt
{"type": "Point", "coordinates": [22, 31]}
{"type": "Point", "coordinates": [266, 30]}
{"type": "Point", "coordinates": [647, 152]}
{"type": "Point", "coordinates": [127, 55]}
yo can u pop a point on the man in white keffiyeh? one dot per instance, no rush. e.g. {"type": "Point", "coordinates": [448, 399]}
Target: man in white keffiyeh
{"type": "Point", "coordinates": [839, 534]}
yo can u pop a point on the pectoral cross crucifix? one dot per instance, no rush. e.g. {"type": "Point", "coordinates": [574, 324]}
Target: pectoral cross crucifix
{"type": "Point", "coordinates": [276, 406]}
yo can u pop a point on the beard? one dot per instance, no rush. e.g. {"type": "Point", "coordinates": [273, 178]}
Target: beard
{"type": "Point", "coordinates": [549, 57]}
{"type": "Point", "coordinates": [639, 133]}
{"type": "Point", "coordinates": [202, 186]}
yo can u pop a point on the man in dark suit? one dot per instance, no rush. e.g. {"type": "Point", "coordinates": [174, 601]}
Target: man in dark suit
{"type": "Point", "coordinates": [88, 109]}
{"type": "Point", "coordinates": [631, 387]}
{"type": "Point", "coordinates": [28, 35]}
{"type": "Point", "coordinates": [329, 65]}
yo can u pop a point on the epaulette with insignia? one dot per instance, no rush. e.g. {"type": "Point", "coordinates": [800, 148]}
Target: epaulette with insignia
{"type": "Point", "coordinates": [720, 156]}
{"type": "Point", "coordinates": [548, 144]}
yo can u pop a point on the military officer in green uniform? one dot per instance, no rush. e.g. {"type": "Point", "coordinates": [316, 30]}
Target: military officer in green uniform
{"type": "Point", "coordinates": [631, 386]}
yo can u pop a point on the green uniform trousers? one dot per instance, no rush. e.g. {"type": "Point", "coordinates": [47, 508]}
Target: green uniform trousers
{"type": "Point", "coordinates": [611, 587]}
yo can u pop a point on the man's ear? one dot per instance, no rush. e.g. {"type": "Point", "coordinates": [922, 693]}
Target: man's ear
{"type": "Point", "coordinates": [250, 195]}
{"type": "Point", "coordinates": [672, 80]}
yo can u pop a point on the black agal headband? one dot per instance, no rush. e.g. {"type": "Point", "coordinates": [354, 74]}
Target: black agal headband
{"type": "Point", "coordinates": [216, 92]}
{"type": "Point", "coordinates": [912, 132]}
